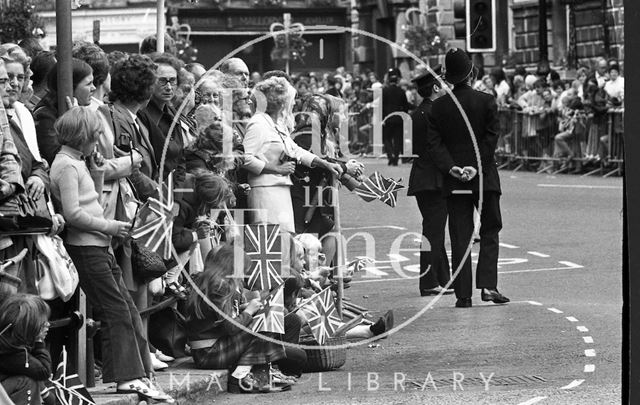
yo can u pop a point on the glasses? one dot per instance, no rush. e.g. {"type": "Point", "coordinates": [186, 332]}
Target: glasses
{"type": "Point", "coordinates": [163, 81]}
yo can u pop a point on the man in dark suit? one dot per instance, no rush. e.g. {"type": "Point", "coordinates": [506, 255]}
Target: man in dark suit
{"type": "Point", "coordinates": [394, 99]}
{"type": "Point", "coordinates": [452, 147]}
{"type": "Point", "coordinates": [425, 183]}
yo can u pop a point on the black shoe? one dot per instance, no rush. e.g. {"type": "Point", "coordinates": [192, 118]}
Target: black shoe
{"type": "Point", "coordinates": [383, 324]}
{"type": "Point", "coordinates": [463, 303]}
{"type": "Point", "coordinates": [435, 291]}
{"type": "Point", "coordinates": [252, 385]}
{"type": "Point", "coordinates": [488, 294]}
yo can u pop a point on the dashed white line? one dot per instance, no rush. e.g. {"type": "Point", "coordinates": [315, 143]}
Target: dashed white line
{"type": "Point", "coordinates": [573, 384]}
{"type": "Point", "coordinates": [508, 246]}
{"type": "Point", "coordinates": [538, 254]}
{"type": "Point", "coordinates": [571, 264]}
{"type": "Point", "coordinates": [534, 303]}
{"type": "Point", "coordinates": [587, 339]}
{"type": "Point", "coordinates": [579, 186]}
{"type": "Point", "coordinates": [535, 270]}
{"type": "Point", "coordinates": [582, 329]}
{"type": "Point", "coordinates": [589, 368]}
{"type": "Point", "coordinates": [555, 310]}
{"type": "Point", "coordinates": [532, 401]}
{"type": "Point", "coordinates": [590, 353]}
{"type": "Point", "coordinates": [571, 319]}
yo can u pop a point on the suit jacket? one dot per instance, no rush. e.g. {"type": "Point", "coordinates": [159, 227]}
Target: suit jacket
{"type": "Point", "coordinates": [424, 176]}
{"type": "Point", "coordinates": [159, 120]}
{"type": "Point", "coordinates": [394, 99]}
{"type": "Point", "coordinates": [144, 178]}
{"type": "Point", "coordinates": [28, 164]}
{"type": "Point", "coordinates": [450, 144]}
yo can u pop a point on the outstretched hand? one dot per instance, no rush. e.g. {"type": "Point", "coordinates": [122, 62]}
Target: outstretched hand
{"type": "Point", "coordinates": [456, 172]}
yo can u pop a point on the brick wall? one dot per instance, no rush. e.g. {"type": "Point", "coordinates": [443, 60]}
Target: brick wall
{"type": "Point", "coordinates": [589, 31]}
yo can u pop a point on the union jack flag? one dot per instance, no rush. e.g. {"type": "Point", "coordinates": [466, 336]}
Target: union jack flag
{"type": "Point", "coordinates": [321, 315]}
{"type": "Point", "coordinates": [378, 187]}
{"type": "Point", "coordinates": [67, 388]}
{"type": "Point", "coordinates": [263, 245]}
{"type": "Point", "coordinates": [271, 317]}
{"type": "Point", "coordinates": [155, 222]}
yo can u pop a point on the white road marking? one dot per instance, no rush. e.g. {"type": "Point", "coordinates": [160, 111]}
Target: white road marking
{"type": "Point", "coordinates": [508, 246]}
{"type": "Point", "coordinates": [374, 271]}
{"type": "Point", "coordinates": [590, 353]}
{"type": "Point", "coordinates": [397, 258]}
{"type": "Point", "coordinates": [532, 401]}
{"type": "Point", "coordinates": [534, 303]}
{"type": "Point", "coordinates": [375, 227]}
{"type": "Point", "coordinates": [573, 384]}
{"type": "Point", "coordinates": [587, 339]}
{"type": "Point", "coordinates": [571, 264]}
{"type": "Point", "coordinates": [384, 279]}
{"type": "Point", "coordinates": [538, 254]}
{"type": "Point", "coordinates": [555, 310]}
{"type": "Point", "coordinates": [545, 269]}
{"type": "Point", "coordinates": [461, 192]}
{"type": "Point", "coordinates": [579, 186]}
{"type": "Point", "coordinates": [589, 368]}
{"type": "Point", "coordinates": [413, 268]}
{"type": "Point", "coordinates": [571, 319]}
{"type": "Point", "coordinates": [507, 262]}
{"type": "Point", "coordinates": [582, 329]}
{"type": "Point", "coordinates": [417, 254]}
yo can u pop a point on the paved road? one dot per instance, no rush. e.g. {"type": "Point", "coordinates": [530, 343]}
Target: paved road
{"type": "Point", "coordinates": [558, 342]}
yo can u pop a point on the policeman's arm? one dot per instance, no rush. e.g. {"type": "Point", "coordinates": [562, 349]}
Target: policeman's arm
{"type": "Point", "coordinates": [435, 147]}
{"type": "Point", "coordinates": [491, 133]}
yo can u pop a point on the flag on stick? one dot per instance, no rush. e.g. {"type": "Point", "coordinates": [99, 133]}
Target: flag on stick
{"type": "Point", "coordinates": [322, 317]}
{"type": "Point", "coordinates": [67, 388]}
{"type": "Point", "coordinates": [378, 187]}
{"type": "Point", "coordinates": [271, 317]}
{"type": "Point", "coordinates": [263, 245]}
{"type": "Point", "coordinates": [155, 222]}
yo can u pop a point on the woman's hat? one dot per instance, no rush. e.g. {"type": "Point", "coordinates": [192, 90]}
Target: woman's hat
{"type": "Point", "coordinates": [427, 79]}
{"type": "Point", "coordinates": [457, 66]}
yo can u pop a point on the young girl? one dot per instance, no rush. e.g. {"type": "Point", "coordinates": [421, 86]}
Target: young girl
{"type": "Point", "coordinates": [76, 189]}
{"type": "Point", "coordinates": [217, 342]}
{"type": "Point", "coordinates": [24, 361]}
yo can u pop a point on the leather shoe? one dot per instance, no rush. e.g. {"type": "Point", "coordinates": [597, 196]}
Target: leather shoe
{"type": "Point", "coordinates": [488, 294]}
{"type": "Point", "coordinates": [436, 291]}
{"type": "Point", "coordinates": [463, 303]}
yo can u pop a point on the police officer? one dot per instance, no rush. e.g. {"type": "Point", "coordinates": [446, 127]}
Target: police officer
{"type": "Point", "coordinates": [451, 146]}
{"type": "Point", "coordinates": [394, 99]}
{"type": "Point", "coordinates": [425, 183]}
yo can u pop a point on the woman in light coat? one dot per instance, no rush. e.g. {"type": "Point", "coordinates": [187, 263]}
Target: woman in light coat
{"type": "Point", "coordinates": [273, 154]}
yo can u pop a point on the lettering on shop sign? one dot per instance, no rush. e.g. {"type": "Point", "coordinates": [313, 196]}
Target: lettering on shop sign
{"type": "Point", "coordinates": [257, 23]}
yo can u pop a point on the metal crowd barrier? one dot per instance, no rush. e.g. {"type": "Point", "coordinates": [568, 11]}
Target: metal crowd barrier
{"type": "Point", "coordinates": [527, 142]}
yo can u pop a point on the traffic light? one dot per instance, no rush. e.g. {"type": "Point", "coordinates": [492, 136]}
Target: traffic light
{"type": "Point", "coordinates": [481, 25]}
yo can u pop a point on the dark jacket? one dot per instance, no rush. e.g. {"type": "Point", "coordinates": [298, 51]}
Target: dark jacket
{"type": "Point", "coordinates": [28, 164]}
{"type": "Point", "coordinates": [125, 131]}
{"type": "Point", "coordinates": [34, 363]}
{"type": "Point", "coordinates": [394, 99]}
{"type": "Point", "coordinates": [449, 142]}
{"type": "Point", "coordinates": [424, 176]}
{"type": "Point", "coordinates": [159, 122]}
{"type": "Point", "coordinates": [45, 115]}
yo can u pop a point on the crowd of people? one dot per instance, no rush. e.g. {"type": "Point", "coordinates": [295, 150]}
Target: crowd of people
{"type": "Point", "coordinates": [135, 124]}
{"type": "Point", "coordinates": [267, 143]}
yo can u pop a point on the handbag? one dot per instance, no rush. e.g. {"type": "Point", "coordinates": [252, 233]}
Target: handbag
{"type": "Point", "coordinates": [59, 276]}
{"type": "Point", "coordinates": [22, 215]}
{"type": "Point", "coordinates": [145, 263]}
{"type": "Point", "coordinates": [167, 332]}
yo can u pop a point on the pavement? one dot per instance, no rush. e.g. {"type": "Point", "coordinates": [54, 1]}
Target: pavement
{"type": "Point", "coordinates": [557, 342]}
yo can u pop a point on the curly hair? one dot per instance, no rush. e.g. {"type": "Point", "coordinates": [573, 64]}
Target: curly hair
{"type": "Point", "coordinates": [16, 54]}
{"type": "Point", "coordinates": [149, 45]}
{"type": "Point", "coordinates": [273, 95]}
{"type": "Point", "coordinates": [132, 79]}
{"type": "Point", "coordinates": [95, 57]}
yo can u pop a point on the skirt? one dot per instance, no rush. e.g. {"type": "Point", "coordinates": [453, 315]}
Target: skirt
{"type": "Point", "coordinates": [274, 205]}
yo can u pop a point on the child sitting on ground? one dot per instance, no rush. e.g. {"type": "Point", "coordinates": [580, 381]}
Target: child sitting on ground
{"type": "Point", "coordinates": [217, 341]}
{"type": "Point", "coordinates": [313, 256]}
{"type": "Point", "coordinates": [25, 363]}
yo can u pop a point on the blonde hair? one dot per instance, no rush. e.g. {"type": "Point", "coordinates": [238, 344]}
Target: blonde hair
{"type": "Point", "coordinates": [309, 241]}
{"type": "Point", "coordinates": [274, 95]}
{"type": "Point", "coordinates": [78, 127]}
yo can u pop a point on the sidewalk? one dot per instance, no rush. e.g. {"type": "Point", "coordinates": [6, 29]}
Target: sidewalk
{"type": "Point", "coordinates": [181, 380]}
